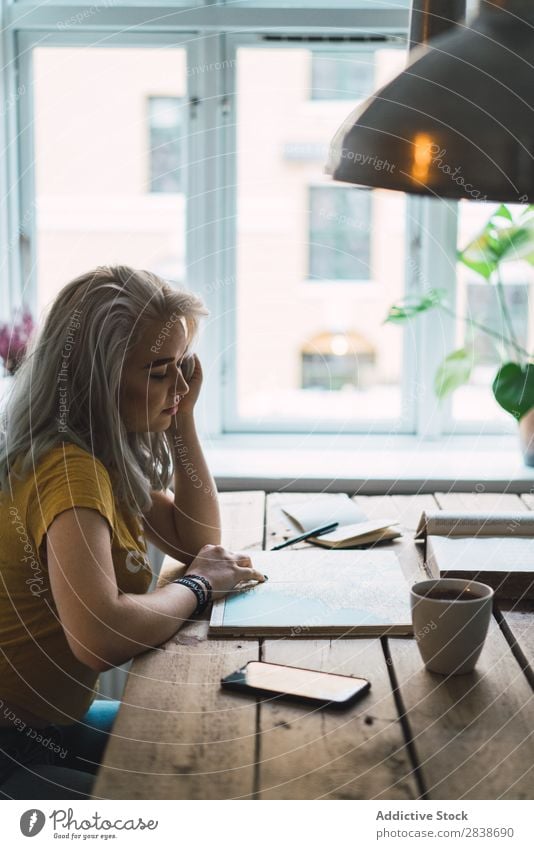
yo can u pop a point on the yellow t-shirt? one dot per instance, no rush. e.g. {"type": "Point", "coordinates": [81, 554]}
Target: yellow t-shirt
{"type": "Point", "coordinates": [38, 671]}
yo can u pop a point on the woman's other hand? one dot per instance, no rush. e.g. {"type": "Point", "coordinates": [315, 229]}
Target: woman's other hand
{"type": "Point", "coordinates": [224, 569]}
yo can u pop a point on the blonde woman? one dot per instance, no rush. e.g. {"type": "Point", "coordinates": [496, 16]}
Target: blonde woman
{"type": "Point", "coordinates": [100, 421]}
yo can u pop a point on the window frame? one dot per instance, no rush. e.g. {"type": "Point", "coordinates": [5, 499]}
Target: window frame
{"type": "Point", "coordinates": [213, 33]}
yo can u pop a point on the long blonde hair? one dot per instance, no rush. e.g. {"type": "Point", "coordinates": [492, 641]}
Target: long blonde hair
{"type": "Point", "coordinates": [77, 358]}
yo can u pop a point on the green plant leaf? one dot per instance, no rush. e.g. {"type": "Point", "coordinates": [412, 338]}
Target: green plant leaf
{"type": "Point", "coordinates": [517, 243]}
{"type": "Point", "coordinates": [502, 212]}
{"type": "Point", "coordinates": [501, 239]}
{"type": "Point", "coordinates": [480, 256]}
{"type": "Point", "coordinates": [513, 388]}
{"type": "Point", "coordinates": [454, 371]}
{"type": "Point", "coordinates": [410, 306]}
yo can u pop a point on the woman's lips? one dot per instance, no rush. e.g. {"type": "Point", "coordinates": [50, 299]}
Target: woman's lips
{"type": "Point", "coordinates": [172, 410]}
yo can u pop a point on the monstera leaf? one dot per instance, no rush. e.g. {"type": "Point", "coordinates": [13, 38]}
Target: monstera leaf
{"type": "Point", "coordinates": [502, 239]}
{"type": "Point", "coordinates": [412, 306]}
{"type": "Point", "coordinates": [454, 371]}
{"type": "Point", "coordinates": [513, 388]}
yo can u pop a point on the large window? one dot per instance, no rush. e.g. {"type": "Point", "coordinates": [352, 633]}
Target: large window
{"type": "Point", "coordinates": [199, 153]}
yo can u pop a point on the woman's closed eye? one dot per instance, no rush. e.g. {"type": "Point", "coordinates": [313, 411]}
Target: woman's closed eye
{"type": "Point", "coordinates": [165, 374]}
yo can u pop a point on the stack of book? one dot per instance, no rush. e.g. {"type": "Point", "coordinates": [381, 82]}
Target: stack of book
{"type": "Point", "coordinates": [496, 549]}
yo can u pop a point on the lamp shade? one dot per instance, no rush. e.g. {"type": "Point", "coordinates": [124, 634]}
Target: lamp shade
{"type": "Point", "coordinates": [458, 122]}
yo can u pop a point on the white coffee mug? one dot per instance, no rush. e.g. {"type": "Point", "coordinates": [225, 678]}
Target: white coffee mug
{"type": "Point", "coordinates": [450, 632]}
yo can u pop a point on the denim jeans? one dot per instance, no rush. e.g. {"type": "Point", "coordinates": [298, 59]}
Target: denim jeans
{"type": "Point", "coordinates": [56, 762]}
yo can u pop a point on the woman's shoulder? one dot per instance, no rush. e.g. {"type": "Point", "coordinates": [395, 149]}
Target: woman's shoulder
{"type": "Point", "coordinates": [66, 457]}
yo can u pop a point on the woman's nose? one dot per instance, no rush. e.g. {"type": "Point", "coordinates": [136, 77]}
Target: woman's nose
{"type": "Point", "coordinates": [181, 385]}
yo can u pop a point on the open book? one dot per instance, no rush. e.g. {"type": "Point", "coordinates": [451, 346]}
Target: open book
{"type": "Point", "coordinates": [354, 527]}
{"type": "Point", "coordinates": [496, 549]}
{"type": "Point", "coordinates": [319, 593]}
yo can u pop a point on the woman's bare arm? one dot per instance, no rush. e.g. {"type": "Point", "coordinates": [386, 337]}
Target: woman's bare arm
{"type": "Point", "coordinates": [104, 627]}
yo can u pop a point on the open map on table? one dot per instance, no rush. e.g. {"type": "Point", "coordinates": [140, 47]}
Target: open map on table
{"type": "Point", "coordinates": [322, 593]}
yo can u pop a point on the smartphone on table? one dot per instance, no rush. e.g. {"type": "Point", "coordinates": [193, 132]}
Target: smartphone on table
{"type": "Point", "coordinates": [308, 686]}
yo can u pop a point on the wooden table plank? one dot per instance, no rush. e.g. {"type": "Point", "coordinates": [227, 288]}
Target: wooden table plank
{"type": "Point", "coordinates": [472, 733]}
{"type": "Point", "coordinates": [520, 634]}
{"type": "Point", "coordinates": [360, 753]}
{"type": "Point", "coordinates": [519, 616]}
{"type": "Point", "coordinates": [177, 736]}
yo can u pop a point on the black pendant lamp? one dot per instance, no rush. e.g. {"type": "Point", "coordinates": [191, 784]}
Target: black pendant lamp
{"type": "Point", "coordinates": [458, 122]}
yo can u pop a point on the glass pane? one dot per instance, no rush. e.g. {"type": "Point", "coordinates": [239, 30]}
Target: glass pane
{"type": "Point", "coordinates": [166, 116]}
{"type": "Point", "coordinates": [318, 262]}
{"type": "Point", "coordinates": [110, 131]}
{"type": "Point", "coordinates": [478, 300]}
{"type": "Point", "coordinates": [338, 76]}
{"type": "Point", "coordinates": [339, 244]}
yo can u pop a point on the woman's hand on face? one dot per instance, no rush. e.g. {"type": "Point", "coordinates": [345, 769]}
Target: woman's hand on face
{"type": "Point", "coordinates": [192, 373]}
{"type": "Point", "coordinates": [224, 569]}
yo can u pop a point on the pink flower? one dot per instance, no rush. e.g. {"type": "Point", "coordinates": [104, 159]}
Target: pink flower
{"type": "Point", "coordinates": [14, 338]}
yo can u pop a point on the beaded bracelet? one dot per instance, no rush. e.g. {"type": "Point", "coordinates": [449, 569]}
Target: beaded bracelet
{"type": "Point", "coordinates": [209, 588]}
{"type": "Point", "coordinates": [199, 591]}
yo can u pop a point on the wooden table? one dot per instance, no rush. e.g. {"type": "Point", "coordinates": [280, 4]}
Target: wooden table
{"type": "Point", "coordinates": [417, 735]}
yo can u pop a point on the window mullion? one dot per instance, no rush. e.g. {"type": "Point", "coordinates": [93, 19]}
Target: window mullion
{"type": "Point", "coordinates": [433, 264]}
{"type": "Point", "coordinates": [204, 216]}
{"type": "Point", "coordinates": [14, 90]}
